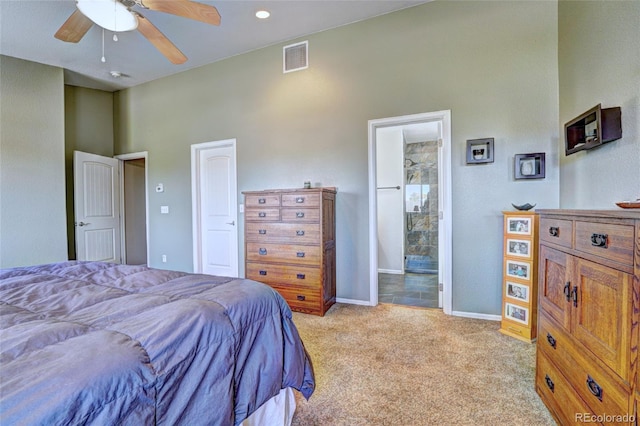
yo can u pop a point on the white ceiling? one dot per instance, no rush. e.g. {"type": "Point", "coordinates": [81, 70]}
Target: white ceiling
{"type": "Point", "coordinates": [27, 28]}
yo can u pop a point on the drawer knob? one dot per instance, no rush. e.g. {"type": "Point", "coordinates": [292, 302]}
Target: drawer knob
{"type": "Point", "coordinates": [300, 276]}
{"type": "Point", "coordinates": [262, 251]}
{"type": "Point", "coordinates": [554, 231]}
{"type": "Point", "coordinates": [300, 254]}
{"type": "Point", "coordinates": [551, 340]}
{"type": "Point", "coordinates": [262, 200]}
{"type": "Point", "coordinates": [594, 388]}
{"type": "Point", "coordinates": [263, 272]}
{"type": "Point", "coordinates": [599, 240]}
{"type": "Point", "coordinates": [300, 297]}
{"type": "Point", "coordinates": [262, 214]}
{"type": "Point", "coordinates": [550, 384]}
{"type": "Point", "coordinates": [300, 233]}
{"type": "Point", "coordinates": [299, 214]}
{"type": "Point", "coordinates": [299, 199]}
{"type": "Point", "coordinates": [262, 231]}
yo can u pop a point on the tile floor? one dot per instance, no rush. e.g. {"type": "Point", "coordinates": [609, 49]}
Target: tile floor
{"type": "Point", "coordinates": [410, 289]}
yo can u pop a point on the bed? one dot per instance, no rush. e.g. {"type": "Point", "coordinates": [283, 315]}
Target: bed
{"type": "Point", "coordinates": [101, 343]}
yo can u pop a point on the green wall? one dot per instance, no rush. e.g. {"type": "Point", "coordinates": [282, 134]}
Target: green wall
{"type": "Point", "coordinates": [32, 209]}
{"type": "Point", "coordinates": [599, 51]}
{"type": "Point", "coordinates": [493, 64]}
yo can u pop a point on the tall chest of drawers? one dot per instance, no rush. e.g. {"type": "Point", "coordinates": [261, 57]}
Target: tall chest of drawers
{"type": "Point", "coordinates": [290, 245]}
{"type": "Point", "coordinates": [589, 302]}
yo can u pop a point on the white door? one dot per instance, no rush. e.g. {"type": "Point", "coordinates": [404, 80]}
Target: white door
{"type": "Point", "coordinates": [215, 210]}
{"type": "Point", "coordinates": [97, 207]}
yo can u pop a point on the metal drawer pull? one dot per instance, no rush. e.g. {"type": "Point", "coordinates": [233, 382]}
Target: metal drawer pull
{"type": "Point", "coordinates": [300, 254]}
{"type": "Point", "coordinates": [262, 200]}
{"type": "Point", "coordinates": [599, 240]}
{"type": "Point", "coordinates": [300, 200]}
{"type": "Point", "coordinates": [300, 297]}
{"type": "Point", "coordinates": [554, 231]}
{"type": "Point", "coordinates": [567, 290]}
{"type": "Point", "coordinates": [262, 251]}
{"type": "Point", "coordinates": [594, 388]}
{"type": "Point", "coordinates": [574, 293]}
{"type": "Point", "coordinates": [263, 272]}
{"type": "Point", "coordinates": [551, 340]}
{"type": "Point", "coordinates": [300, 276]}
{"type": "Point", "coordinates": [300, 233]}
{"type": "Point", "coordinates": [300, 214]}
{"type": "Point", "coordinates": [262, 214]}
{"type": "Point", "coordinates": [262, 231]}
{"type": "Point", "coordinates": [550, 384]}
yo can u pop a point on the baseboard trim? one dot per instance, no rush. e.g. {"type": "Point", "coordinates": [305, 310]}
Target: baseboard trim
{"type": "Point", "coordinates": [476, 315]}
{"type": "Point", "coordinates": [353, 301]}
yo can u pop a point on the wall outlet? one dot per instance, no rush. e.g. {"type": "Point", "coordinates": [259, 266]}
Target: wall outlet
{"type": "Point", "coordinates": [164, 258]}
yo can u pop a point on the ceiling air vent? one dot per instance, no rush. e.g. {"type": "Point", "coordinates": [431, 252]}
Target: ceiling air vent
{"type": "Point", "coordinates": [295, 57]}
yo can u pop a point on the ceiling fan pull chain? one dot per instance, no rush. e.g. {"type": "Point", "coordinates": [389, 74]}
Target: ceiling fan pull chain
{"type": "Point", "coordinates": [103, 58]}
{"type": "Point", "coordinates": [115, 18]}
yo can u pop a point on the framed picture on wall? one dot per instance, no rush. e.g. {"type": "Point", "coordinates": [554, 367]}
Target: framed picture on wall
{"type": "Point", "coordinates": [480, 151]}
{"type": "Point", "coordinates": [516, 313]}
{"type": "Point", "coordinates": [517, 291]}
{"type": "Point", "coordinates": [529, 166]}
{"type": "Point", "coordinates": [520, 248]}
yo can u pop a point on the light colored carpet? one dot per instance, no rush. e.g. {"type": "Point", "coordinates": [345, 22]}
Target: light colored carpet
{"type": "Point", "coordinates": [394, 365]}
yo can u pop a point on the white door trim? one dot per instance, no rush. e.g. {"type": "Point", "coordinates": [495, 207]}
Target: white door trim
{"type": "Point", "coordinates": [444, 197]}
{"type": "Point", "coordinates": [122, 158]}
{"type": "Point", "coordinates": [196, 202]}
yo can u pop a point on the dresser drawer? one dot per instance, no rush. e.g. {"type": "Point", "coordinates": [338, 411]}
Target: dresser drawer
{"type": "Point", "coordinates": [517, 330]}
{"type": "Point", "coordinates": [301, 299]}
{"type": "Point", "coordinates": [262, 215]}
{"type": "Point", "coordinates": [610, 241]}
{"type": "Point", "coordinates": [556, 231]}
{"type": "Point", "coordinates": [294, 233]}
{"type": "Point", "coordinates": [300, 215]}
{"type": "Point", "coordinates": [283, 253]}
{"type": "Point", "coordinates": [601, 391]}
{"type": "Point", "coordinates": [301, 200]}
{"type": "Point", "coordinates": [262, 200]}
{"type": "Point", "coordinates": [302, 276]}
{"type": "Point", "coordinates": [557, 393]}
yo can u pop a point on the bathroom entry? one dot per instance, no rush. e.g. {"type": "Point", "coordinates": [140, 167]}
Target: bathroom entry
{"type": "Point", "coordinates": [408, 214]}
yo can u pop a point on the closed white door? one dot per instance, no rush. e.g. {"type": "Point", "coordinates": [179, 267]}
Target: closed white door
{"type": "Point", "coordinates": [96, 207]}
{"type": "Point", "coordinates": [215, 190]}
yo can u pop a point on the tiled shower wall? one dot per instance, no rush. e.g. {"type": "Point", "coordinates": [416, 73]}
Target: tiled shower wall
{"type": "Point", "coordinates": [421, 168]}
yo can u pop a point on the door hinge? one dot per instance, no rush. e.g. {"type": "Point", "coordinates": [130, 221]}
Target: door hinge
{"type": "Point", "coordinates": [440, 286]}
{"type": "Point", "coordinates": [440, 215]}
{"type": "Point", "coordinates": [439, 143]}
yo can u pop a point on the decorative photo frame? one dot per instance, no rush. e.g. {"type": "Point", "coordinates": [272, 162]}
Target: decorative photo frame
{"type": "Point", "coordinates": [517, 269]}
{"type": "Point", "coordinates": [520, 248]}
{"type": "Point", "coordinates": [516, 313]}
{"type": "Point", "coordinates": [480, 151]}
{"type": "Point", "coordinates": [529, 166]}
{"type": "Point", "coordinates": [519, 225]}
{"type": "Point", "coordinates": [517, 291]}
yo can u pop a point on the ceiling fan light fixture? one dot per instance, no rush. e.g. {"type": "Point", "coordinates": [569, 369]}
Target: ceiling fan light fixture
{"type": "Point", "coordinates": [108, 14]}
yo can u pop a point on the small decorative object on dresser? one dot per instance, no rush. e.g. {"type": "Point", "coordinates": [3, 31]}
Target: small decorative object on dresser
{"type": "Point", "coordinates": [519, 291]}
{"type": "Point", "coordinates": [290, 245]}
{"type": "Point", "coordinates": [587, 353]}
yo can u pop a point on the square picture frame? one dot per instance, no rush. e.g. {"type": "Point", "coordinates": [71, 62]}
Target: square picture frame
{"type": "Point", "coordinates": [529, 166]}
{"type": "Point", "coordinates": [519, 225]}
{"type": "Point", "coordinates": [480, 151]}
{"type": "Point", "coordinates": [515, 269]}
{"type": "Point", "coordinates": [517, 291]}
{"type": "Point", "coordinates": [516, 313]}
{"type": "Point", "coordinates": [521, 248]}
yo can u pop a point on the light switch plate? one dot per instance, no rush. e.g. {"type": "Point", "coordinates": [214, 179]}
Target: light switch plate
{"type": "Point", "coordinates": [164, 209]}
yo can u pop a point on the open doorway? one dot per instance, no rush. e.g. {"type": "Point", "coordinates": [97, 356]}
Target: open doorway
{"type": "Point", "coordinates": [134, 212]}
{"type": "Point", "coordinates": [410, 198]}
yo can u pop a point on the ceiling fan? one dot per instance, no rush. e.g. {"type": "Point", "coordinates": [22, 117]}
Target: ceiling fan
{"type": "Point", "coordinates": [119, 15]}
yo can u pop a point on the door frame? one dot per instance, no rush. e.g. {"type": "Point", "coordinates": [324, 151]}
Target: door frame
{"type": "Point", "coordinates": [444, 199]}
{"type": "Point", "coordinates": [196, 202]}
{"type": "Point", "coordinates": [121, 159]}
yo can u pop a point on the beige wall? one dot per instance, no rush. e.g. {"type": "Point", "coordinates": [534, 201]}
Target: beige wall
{"type": "Point", "coordinates": [493, 64]}
{"type": "Point", "coordinates": [599, 62]}
{"type": "Point", "coordinates": [32, 210]}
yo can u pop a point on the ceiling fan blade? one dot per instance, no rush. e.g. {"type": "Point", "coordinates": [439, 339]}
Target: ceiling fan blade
{"type": "Point", "coordinates": [162, 43]}
{"type": "Point", "coordinates": [187, 9]}
{"type": "Point", "coordinates": [74, 28]}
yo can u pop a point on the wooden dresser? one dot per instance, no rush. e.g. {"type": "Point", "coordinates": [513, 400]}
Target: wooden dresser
{"type": "Point", "coordinates": [519, 284]}
{"type": "Point", "coordinates": [290, 245]}
{"type": "Point", "coordinates": [589, 292]}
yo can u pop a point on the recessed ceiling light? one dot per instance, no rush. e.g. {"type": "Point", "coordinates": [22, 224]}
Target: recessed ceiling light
{"type": "Point", "coordinates": [262, 14]}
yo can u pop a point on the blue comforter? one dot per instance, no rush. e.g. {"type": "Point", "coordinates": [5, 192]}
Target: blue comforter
{"type": "Point", "coordinates": [99, 343]}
